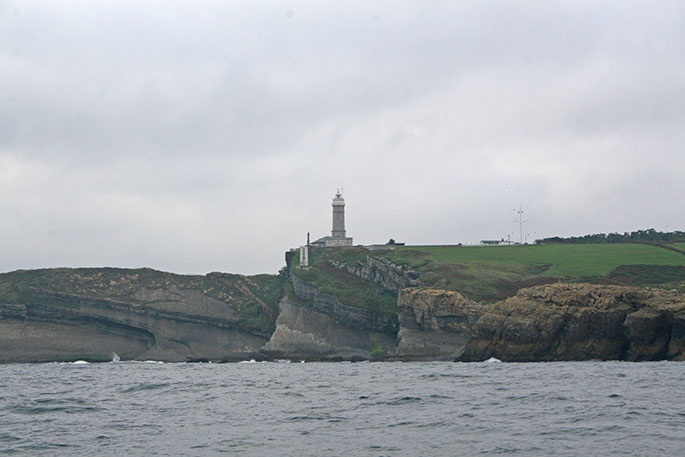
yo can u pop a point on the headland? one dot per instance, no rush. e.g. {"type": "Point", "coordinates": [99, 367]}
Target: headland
{"type": "Point", "coordinates": [618, 301]}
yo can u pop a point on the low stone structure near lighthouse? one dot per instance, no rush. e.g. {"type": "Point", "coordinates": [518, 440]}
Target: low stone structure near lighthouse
{"type": "Point", "coordinates": [338, 234]}
{"type": "Point", "coordinates": [304, 253]}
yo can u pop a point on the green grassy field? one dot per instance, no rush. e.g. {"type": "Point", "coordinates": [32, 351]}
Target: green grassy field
{"type": "Point", "coordinates": [490, 273]}
{"type": "Point", "coordinates": [563, 259]}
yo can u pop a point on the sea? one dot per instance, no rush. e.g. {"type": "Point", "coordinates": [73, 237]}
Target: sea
{"type": "Point", "coordinates": [342, 409]}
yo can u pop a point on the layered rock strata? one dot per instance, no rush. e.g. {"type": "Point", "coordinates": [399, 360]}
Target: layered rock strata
{"type": "Point", "coordinates": [167, 323]}
{"type": "Point", "coordinates": [381, 271]}
{"type": "Point", "coordinates": [169, 317]}
{"type": "Point", "coordinates": [304, 333]}
{"type": "Point", "coordinates": [435, 324]}
{"type": "Point", "coordinates": [315, 325]}
{"type": "Point", "coordinates": [358, 317]}
{"type": "Point", "coordinates": [544, 323]}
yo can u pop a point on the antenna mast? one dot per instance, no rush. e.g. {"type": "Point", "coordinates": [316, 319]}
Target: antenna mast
{"type": "Point", "coordinates": [520, 213]}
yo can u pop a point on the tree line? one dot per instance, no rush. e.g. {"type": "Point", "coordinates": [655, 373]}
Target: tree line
{"type": "Point", "coordinates": [639, 236]}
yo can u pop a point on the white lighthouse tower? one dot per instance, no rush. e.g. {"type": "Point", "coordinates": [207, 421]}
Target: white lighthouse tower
{"type": "Point", "coordinates": [338, 234]}
{"type": "Point", "coordinates": [338, 216]}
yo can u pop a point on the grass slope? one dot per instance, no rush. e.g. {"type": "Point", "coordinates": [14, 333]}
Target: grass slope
{"type": "Point", "coordinates": [563, 260]}
{"type": "Point", "coordinates": [349, 289]}
{"type": "Point", "coordinates": [490, 273]}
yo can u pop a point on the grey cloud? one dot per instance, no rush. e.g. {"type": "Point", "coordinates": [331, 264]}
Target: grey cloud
{"type": "Point", "coordinates": [209, 136]}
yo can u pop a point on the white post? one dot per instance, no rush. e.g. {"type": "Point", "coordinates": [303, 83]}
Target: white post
{"type": "Point", "coordinates": [304, 256]}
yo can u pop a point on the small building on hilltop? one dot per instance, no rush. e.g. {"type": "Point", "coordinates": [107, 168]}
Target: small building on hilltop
{"type": "Point", "coordinates": [338, 234]}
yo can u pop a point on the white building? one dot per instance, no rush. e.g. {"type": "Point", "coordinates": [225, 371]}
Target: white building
{"type": "Point", "coordinates": [338, 234]}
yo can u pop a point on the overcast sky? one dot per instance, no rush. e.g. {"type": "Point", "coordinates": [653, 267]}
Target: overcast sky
{"type": "Point", "coordinates": [211, 136]}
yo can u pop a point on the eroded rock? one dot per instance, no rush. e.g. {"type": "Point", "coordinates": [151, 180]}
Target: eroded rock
{"type": "Point", "coordinates": [550, 322]}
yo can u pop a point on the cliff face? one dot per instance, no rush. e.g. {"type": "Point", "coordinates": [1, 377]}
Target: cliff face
{"type": "Point", "coordinates": [137, 314]}
{"type": "Point", "coordinates": [332, 311]}
{"type": "Point", "coordinates": [305, 333]}
{"type": "Point", "coordinates": [580, 322]}
{"type": "Point", "coordinates": [352, 316]}
{"type": "Point", "coordinates": [381, 271]}
{"type": "Point", "coordinates": [552, 322]}
{"type": "Point", "coordinates": [435, 324]}
{"type": "Point", "coordinates": [144, 314]}
{"type": "Point", "coordinates": [314, 324]}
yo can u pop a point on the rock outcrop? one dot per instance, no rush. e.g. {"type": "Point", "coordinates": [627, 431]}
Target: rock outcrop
{"type": "Point", "coordinates": [143, 314]}
{"type": "Point", "coordinates": [381, 271]}
{"type": "Point", "coordinates": [304, 333]}
{"type": "Point", "coordinates": [544, 323]}
{"type": "Point", "coordinates": [557, 322]}
{"type": "Point", "coordinates": [315, 325]}
{"type": "Point", "coordinates": [148, 315]}
{"type": "Point", "coordinates": [578, 322]}
{"type": "Point", "coordinates": [357, 317]}
{"type": "Point", "coordinates": [435, 324]}
{"type": "Point", "coordinates": [55, 325]}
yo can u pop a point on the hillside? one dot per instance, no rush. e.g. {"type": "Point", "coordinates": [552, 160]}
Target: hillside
{"type": "Point", "coordinates": [348, 288]}
{"type": "Point", "coordinates": [517, 303]}
{"type": "Point", "coordinates": [544, 302]}
{"type": "Point", "coordinates": [253, 300]}
{"type": "Point", "coordinates": [489, 274]}
{"type": "Point", "coordinates": [91, 313]}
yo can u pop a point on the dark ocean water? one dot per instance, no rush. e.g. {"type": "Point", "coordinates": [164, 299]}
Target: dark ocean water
{"type": "Point", "coordinates": [403, 409]}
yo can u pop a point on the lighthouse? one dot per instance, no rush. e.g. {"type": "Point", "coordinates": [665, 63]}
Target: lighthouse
{"type": "Point", "coordinates": [338, 216]}
{"type": "Point", "coordinates": [338, 234]}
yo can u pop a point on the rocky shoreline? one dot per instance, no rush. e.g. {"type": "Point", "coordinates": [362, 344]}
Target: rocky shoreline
{"type": "Point", "coordinates": [170, 322]}
{"type": "Point", "coordinates": [542, 323]}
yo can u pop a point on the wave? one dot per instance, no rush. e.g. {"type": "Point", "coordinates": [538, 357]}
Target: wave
{"type": "Point", "coordinates": [140, 387]}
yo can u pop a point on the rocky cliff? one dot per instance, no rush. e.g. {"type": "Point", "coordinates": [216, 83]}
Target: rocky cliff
{"type": "Point", "coordinates": [580, 322]}
{"type": "Point", "coordinates": [302, 332]}
{"type": "Point", "coordinates": [544, 323]}
{"type": "Point", "coordinates": [381, 271]}
{"type": "Point", "coordinates": [69, 314]}
{"type": "Point", "coordinates": [309, 295]}
{"type": "Point", "coordinates": [316, 324]}
{"type": "Point", "coordinates": [435, 324]}
{"type": "Point", "coordinates": [92, 314]}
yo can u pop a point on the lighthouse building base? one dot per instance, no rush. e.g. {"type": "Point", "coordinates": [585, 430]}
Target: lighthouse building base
{"type": "Point", "coordinates": [332, 242]}
{"type": "Point", "coordinates": [337, 242]}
